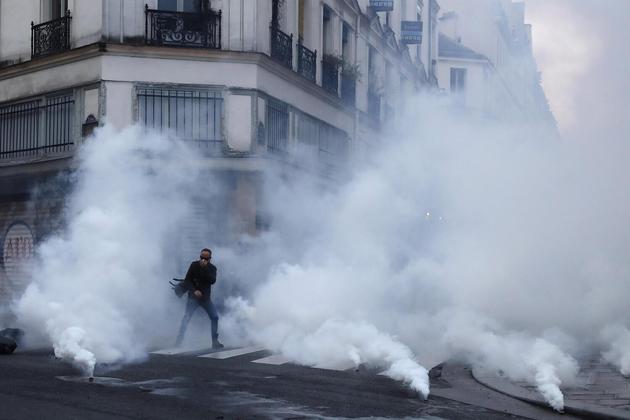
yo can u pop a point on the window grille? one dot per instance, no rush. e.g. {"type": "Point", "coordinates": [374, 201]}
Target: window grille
{"type": "Point", "coordinates": [277, 126]}
{"type": "Point", "coordinates": [37, 127]}
{"type": "Point", "coordinates": [192, 115]}
{"type": "Point", "coordinates": [320, 143]}
{"type": "Point", "coordinates": [333, 147]}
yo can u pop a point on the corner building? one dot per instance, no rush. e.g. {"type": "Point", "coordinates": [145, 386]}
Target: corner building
{"type": "Point", "coordinates": [302, 83]}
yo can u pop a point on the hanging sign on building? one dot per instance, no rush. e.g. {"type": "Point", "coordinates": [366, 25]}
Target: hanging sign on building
{"type": "Point", "coordinates": [17, 251]}
{"type": "Point", "coordinates": [382, 5]}
{"type": "Point", "coordinates": [411, 32]}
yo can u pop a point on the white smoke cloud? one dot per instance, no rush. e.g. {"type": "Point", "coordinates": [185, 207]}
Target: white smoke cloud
{"type": "Point", "coordinates": [98, 287]}
{"type": "Point", "coordinates": [616, 347]}
{"type": "Point", "coordinates": [461, 239]}
{"type": "Point", "coordinates": [584, 72]}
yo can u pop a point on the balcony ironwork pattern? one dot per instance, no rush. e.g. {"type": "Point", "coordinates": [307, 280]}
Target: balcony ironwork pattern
{"type": "Point", "coordinates": [348, 90]}
{"type": "Point", "coordinates": [281, 47]}
{"type": "Point", "coordinates": [51, 37]}
{"type": "Point", "coordinates": [183, 29]}
{"type": "Point", "coordinates": [330, 77]}
{"type": "Point", "coordinates": [307, 62]}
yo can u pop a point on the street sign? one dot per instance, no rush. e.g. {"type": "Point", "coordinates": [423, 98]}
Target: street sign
{"type": "Point", "coordinates": [382, 5]}
{"type": "Point", "coordinates": [411, 32]}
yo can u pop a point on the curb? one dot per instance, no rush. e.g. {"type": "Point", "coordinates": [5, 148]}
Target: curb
{"type": "Point", "coordinates": [506, 387]}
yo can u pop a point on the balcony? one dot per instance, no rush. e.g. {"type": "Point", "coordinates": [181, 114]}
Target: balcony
{"type": "Point", "coordinates": [50, 37]}
{"type": "Point", "coordinates": [281, 47]}
{"type": "Point", "coordinates": [330, 77]}
{"type": "Point", "coordinates": [348, 90]}
{"type": "Point", "coordinates": [307, 62]}
{"type": "Point", "coordinates": [183, 29]}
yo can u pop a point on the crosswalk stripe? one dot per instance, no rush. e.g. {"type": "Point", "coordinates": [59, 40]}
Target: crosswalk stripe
{"type": "Point", "coordinates": [177, 350]}
{"type": "Point", "coordinates": [226, 354]}
{"type": "Point", "coordinates": [274, 359]}
{"type": "Point", "coordinates": [336, 366]}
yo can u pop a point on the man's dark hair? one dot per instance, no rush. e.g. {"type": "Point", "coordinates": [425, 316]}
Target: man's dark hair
{"type": "Point", "coordinates": [206, 250]}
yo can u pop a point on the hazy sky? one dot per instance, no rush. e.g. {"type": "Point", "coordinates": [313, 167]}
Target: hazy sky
{"type": "Point", "coordinates": [582, 50]}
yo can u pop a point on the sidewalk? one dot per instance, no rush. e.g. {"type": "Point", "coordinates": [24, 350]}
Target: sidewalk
{"type": "Point", "coordinates": [603, 392]}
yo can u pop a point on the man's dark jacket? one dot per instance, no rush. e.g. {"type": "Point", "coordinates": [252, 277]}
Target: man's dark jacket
{"type": "Point", "coordinates": [200, 278]}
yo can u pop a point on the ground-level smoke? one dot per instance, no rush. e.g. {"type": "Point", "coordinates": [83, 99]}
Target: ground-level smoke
{"type": "Point", "coordinates": [98, 286]}
{"type": "Point", "coordinates": [457, 239]}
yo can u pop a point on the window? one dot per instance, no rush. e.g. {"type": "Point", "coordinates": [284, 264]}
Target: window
{"type": "Point", "coordinates": [301, 10]}
{"type": "Point", "coordinates": [346, 40]}
{"type": "Point", "coordinates": [37, 127]}
{"type": "Point", "coordinates": [327, 30]}
{"type": "Point", "coordinates": [418, 47]}
{"type": "Point", "coordinates": [277, 119]}
{"type": "Point", "coordinates": [333, 147]}
{"type": "Point", "coordinates": [371, 61]}
{"type": "Point", "coordinates": [193, 115]}
{"type": "Point", "coordinates": [320, 144]}
{"type": "Point", "coordinates": [53, 9]}
{"type": "Point", "coordinates": [180, 5]}
{"type": "Point", "coordinates": [458, 80]}
{"type": "Point", "coordinates": [277, 12]}
{"type": "Point", "coordinates": [458, 86]}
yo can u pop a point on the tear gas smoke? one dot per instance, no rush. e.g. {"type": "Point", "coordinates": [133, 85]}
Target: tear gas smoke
{"type": "Point", "coordinates": [98, 285]}
{"type": "Point", "coordinates": [460, 239]}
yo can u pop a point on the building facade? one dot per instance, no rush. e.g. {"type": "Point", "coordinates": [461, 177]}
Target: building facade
{"type": "Point", "coordinates": [247, 82]}
{"type": "Point", "coordinates": [486, 61]}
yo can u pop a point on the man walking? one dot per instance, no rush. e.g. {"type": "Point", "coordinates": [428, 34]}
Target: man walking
{"type": "Point", "coordinates": [200, 277]}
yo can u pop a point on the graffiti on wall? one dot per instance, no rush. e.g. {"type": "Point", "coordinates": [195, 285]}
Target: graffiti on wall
{"type": "Point", "coordinates": [17, 251]}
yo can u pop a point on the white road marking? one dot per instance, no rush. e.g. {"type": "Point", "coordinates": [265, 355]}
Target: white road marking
{"type": "Point", "coordinates": [226, 354]}
{"type": "Point", "coordinates": [336, 366]}
{"type": "Point", "coordinates": [177, 350]}
{"type": "Point", "coordinates": [274, 359]}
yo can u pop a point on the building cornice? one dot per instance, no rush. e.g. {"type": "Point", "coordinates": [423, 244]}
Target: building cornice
{"type": "Point", "coordinates": [37, 166]}
{"type": "Point", "coordinates": [465, 60]}
{"type": "Point", "coordinates": [38, 64]}
{"type": "Point", "coordinates": [241, 57]}
{"type": "Point", "coordinates": [170, 53]}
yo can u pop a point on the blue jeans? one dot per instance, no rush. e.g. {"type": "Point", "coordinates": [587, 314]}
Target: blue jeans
{"type": "Point", "coordinates": [191, 307]}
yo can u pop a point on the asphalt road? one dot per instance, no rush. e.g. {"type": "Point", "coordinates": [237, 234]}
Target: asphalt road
{"type": "Point", "coordinates": [36, 385]}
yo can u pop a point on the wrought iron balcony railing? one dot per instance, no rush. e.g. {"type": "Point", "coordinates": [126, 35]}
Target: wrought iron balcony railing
{"type": "Point", "coordinates": [183, 29]}
{"type": "Point", "coordinates": [330, 77]}
{"type": "Point", "coordinates": [51, 37]}
{"type": "Point", "coordinates": [348, 90]}
{"type": "Point", "coordinates": [307, 62]}
{"type": "Point", "coordinates": [281, 47]}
